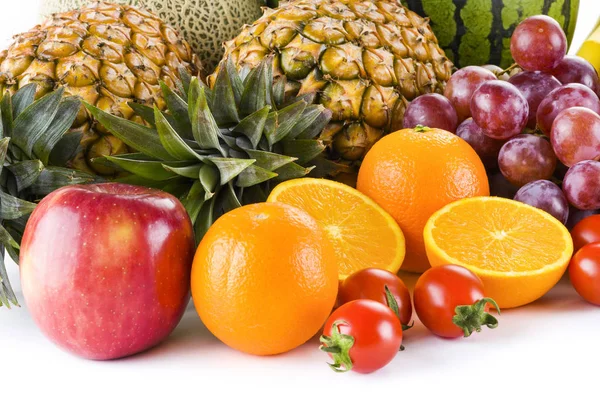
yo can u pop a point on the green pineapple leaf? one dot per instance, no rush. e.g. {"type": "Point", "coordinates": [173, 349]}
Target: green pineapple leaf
{"type": "Point", "coordinates": [22, 99]}
{"type": "Point", "coordinates": [186, 79]}
{"type": "Point", "coordinates": [254, 175]}
{"type": "Point", "coordinates": [205, 219]}
{"type": "Point", "coordinates": [225, 112]}
{"type": "Point", "coordinates": [252, 126]}
{"type": "Point", "coordinates": [65, 149]}
{"type": "Point", "coordinates": [281, 122]}
{"type": "Point", "coordinates": [3, 150]}
{"type": "Point", "coordinates": [304, 150]}
{"type": "Point", "coordinates": [7, 115]}
{"type": "Point", "coordinates": [52, 178]}
{"type": "Point", "coordinates": [172, 141]}
{"type": "Point", "coordinates": [229, 201]}
{"type": "Point", "coordinates": [209, 178]}
{"type": "Point", "coordinates": [12, 207]}
{"type": "Point", "coordinates": [317, 126]}
{"type": "Point", "coordinates": [144, 111]}
{"type": "Point", "coordinates": [149, 169]}
{"type": "Point", "coordinates": [268, 160]}
{"type": "Point", "coordinates": [229, 168]}
{"type": "Point", "coordinates": [204, 126]}
{"type": "Point", "coordinates": [31, 125]}
{"type": "Point", "coordinates": [308, 118]}
{"type": "Point", "coordinates": [192, 171]}
{"type": "Point", "coordinates": [65, 116]}
{"type": "Point", "coordinates": [141, 138]}
{"type": "Point", "coordinates": [26, 173]}
{"type": "Point", "coordinates": [179, 110]}
{"type": "Point", "coordinates": [236, 82]}
{"type": "Point", "coordinates": [257, 91]}
{"type": "Point", "coordinates": [292, 171]}
{"type": "Point", "coordinates": [7, 295]}
{"type": "Point", "coordinates": [193, 200]}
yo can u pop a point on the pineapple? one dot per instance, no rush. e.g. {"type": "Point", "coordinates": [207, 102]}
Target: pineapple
{"type": "Point", "coordinates": [33, 149]}
{"type": "Point", "coordinates": [216, 149]}
{"type": "Point", "coordinates": [106, 54]}
{"type": "Point", "coordinates": [362, 60]}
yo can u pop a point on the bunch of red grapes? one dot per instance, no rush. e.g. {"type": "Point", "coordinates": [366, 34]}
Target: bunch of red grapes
{"type": "Point", "coordinates": [535, 126]}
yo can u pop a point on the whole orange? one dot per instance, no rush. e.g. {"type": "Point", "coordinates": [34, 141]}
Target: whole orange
{"type": "Point", "coordinates": [412, 173]}
{"type": "Point", "coordinates": [265, 278]}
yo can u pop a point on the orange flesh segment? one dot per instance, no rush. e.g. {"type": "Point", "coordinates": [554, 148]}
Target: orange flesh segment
{"type": "Point", "coordinates": [363, 235]}
{"type": "Point", "coordinates": [496, 236]}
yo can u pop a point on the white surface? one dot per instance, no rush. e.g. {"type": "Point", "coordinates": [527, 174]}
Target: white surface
{"type": "Point", "coordinates": [549, 346]}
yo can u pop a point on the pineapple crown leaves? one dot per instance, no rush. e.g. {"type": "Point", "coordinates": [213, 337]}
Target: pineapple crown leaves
{"type": "Point", "coordinates": [33, 151]}
{"type": "Point", "coordinates": [217, 149]}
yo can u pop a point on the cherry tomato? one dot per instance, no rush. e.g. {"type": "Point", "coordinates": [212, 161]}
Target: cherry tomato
{"type": "Point", "coordinates": [449, 301]}
{"type": "Point", "coordinates": [586, 231]}
{"type": "Point", "coordinates": [362, 336]}
{"type": "Point", "coordinates": [370, 284]}
{"type": "Point", "coordinates": [584, 271]}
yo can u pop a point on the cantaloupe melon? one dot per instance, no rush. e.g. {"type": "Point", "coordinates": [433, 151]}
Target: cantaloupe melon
{"type": "Point", "coordinates": [205, 24]}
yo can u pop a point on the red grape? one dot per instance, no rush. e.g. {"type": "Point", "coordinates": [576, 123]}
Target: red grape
{"type": "Point", "coordinates": [461, 86]}
{"type": "Point", "coordinates": [534, 85]}
{"type": "Point", "coordinates": [538, 43]}
{"type": "Point", "coordinates": [431, 110]}
{"type": "Point", "coordinates": [575, 69]}
{"type": "Point", "coordinates": [499, 109]}
{"type": "Point", "coordinates": [567, 96]}
{"type": "Point", "coordinates": [546, 196]}
{"type": "Point", "coordinates": [526, 158]}
{"type": "Point", "coordinates": [582, 185]}
{"type": "Point", "coordinates": [576, 135]}
{"type": "Point", "coordinates": [487, 148]}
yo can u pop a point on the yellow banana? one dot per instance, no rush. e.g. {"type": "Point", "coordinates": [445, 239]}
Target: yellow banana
{"type": "Point", "coordinates": [590, 50]}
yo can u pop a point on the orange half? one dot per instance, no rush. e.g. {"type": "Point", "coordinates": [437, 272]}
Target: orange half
{"type": "Point", "coordinates": [519, 252]}
{"type": "Point", "coordinates": [362, 233]}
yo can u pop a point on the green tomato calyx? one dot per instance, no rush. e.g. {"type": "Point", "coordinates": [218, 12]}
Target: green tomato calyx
{"type": "Point", "coordinates": [338, 345]}
{"type": "Point", "coordinates": [472, 317]}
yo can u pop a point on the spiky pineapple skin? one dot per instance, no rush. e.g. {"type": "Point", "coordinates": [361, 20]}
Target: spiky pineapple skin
{"type": "Point", "coordinates": [205, 24]}
{"type": "Point", "coordinates": [108, 55]}
{"type": "Point", "coordinates": [363, 60]}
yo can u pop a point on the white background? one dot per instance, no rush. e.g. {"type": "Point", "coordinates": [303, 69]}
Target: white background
{"type": "Point", "coordinates": [549, 346]}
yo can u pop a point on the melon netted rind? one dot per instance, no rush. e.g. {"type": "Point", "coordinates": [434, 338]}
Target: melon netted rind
{"type": "Point", "coordinates": [205, 24]}
{"type": "Point", "coordinates": [477, 32]}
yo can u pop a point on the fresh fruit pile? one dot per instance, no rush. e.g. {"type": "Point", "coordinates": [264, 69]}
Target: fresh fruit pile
{"type": "Point", "coordinates": [270, 256]}
{"type": "Point", "coordinates": [538, 131]}
{"type": "Point", "coordinates": [475, 32]}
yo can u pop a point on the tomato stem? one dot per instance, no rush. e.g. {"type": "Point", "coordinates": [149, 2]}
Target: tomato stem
{"type": "Point", "coordinates": [338, 345]}
{"type": "Point", "coordinates": [472, 317]}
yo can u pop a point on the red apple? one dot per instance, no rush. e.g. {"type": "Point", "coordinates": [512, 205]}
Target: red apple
{"type": "Point", "coordinates": [105, 269]}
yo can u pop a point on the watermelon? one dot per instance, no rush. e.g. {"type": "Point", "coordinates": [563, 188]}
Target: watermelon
{"type": "Point", "coordinates": [477, 32]}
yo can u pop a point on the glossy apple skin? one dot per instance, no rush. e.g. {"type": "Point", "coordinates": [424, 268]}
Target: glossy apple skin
{"type": "Point", "coordinates": [105, 269]}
